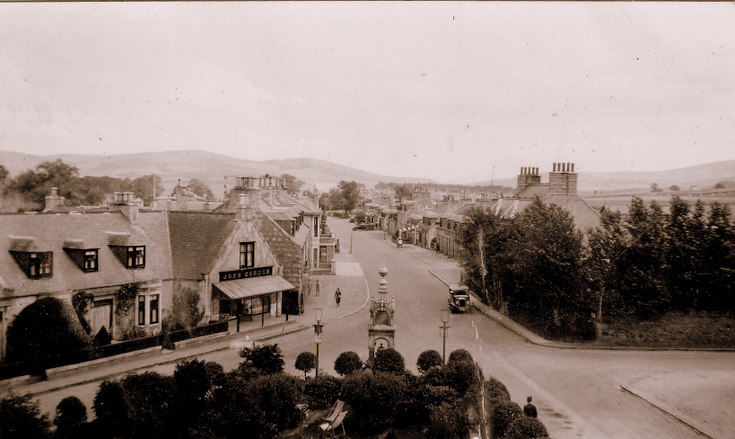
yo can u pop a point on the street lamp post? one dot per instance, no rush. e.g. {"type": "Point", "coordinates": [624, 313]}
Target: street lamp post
{"type": "Point", "coordinates": [317, 335]}
{"type": "Point", "coordinates": [444, 327]}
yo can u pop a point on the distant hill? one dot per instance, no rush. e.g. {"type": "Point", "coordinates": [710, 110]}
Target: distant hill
{"type": "Point", "coordinates": [702, 176]}
{"type": "Point", "coordinates": [209, 167]}
{"type": "Point", "coordinates": [212, 168]}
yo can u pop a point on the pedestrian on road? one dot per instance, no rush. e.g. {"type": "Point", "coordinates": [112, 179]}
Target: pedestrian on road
{"type": "Point", "coordinates": [318, 287]}
{"type": "Point", "coordinates": [530, 409]}
{"type": "Point", "coordinates": [338, 296]}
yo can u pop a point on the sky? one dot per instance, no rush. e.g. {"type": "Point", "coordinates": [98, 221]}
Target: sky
{"type": "Point", "coordinates": [457, 92]}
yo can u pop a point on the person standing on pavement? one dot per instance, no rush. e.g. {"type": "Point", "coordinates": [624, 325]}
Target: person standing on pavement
{"type": "Point", "coordinates": [338, 296]}
{"type": "Point", "coordinates": [318, 287]}
{"type": "Point", "coordinates": [530, 409]}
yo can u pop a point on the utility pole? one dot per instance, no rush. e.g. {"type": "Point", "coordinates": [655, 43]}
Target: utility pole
{"type": "Point", "coordinates": [445, 328]}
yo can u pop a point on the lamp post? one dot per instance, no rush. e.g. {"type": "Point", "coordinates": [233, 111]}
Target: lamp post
{"type": "Point", "coordinates": [317, 335]}
{"type": "Point", "coordinates": [444, 327]}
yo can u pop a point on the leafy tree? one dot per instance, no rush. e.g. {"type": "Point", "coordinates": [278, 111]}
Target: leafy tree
{"type": "Point", "coordinates": [546, 271]}
{"type": "Point", "coordinates": [151, 398]}
{"type": "Point", "coordinates": [526, 427]}
{"type": "Point", "coordinates": [448, 420]}
{"type": "Point", "coordinates": [674, 188]}
{"type": "Point", "coordinates": [389, 360]}
{"type": "Point", "coordinates": [192, 384]}
{"type": "Point", "coordinates": [403, 192]}
{"type": "Point", "coordinates": [305, 362]}
{"type": "Point", "coordinates": [185, 312]}
{"type": "Point", "coordinates": [347, 363]}
{"type": "Point", "coordinates": [20, 418]}
{"type": "Point", "coordinates": [34, 185]}
{"type": "Point", "coordinates": [719, 261]}
{"type": "Point", "coordinates": [606, 244]}
{"type": "Point", "coordinates": [350, 194]}
{"type": "Point", "coordinates": [143, 187]}
{"type": "Point", "coordinates": [4, 173]}
{"type": "Point", "coordinates": [111, 409]}
{"type": "Point", "coordinates": [199, 187]}
{"type": "Point", "coordinates": [267, 359]}
{"type": "Point", "coordinates": [59, 340]}
{"type": "Point", "coordinates": [373, 398]}
{"type": "Point", "coordinates": [71, 417]}
{"type": "Point", "coordinates": [428, 359]}
{"type": "Point", "coordinates": [278, 396]}
{"type": "Point", "coordinates": [293, 184]}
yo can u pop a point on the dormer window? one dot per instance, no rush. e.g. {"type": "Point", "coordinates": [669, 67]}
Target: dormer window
{"type": "Point", "coordinates": [40, 265]}
{"type": "Point", "coordinates": [82, 255]}
{"type": "Point", "coordinates": [136, 257]}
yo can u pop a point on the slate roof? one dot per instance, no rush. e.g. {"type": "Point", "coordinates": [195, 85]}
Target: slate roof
{"type": "Point", "coordinates": [51, 231]}
{"type": "Point", "coordinates": [196, 238]}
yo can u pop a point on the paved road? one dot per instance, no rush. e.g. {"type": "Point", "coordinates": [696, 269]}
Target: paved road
{"type": "Point", "coordinates": [578, 392]}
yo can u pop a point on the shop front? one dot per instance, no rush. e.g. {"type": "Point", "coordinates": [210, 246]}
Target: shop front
{"type": "Point", "coordinates": [249, 294]}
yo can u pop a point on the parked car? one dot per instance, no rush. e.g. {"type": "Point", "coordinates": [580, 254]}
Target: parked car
{"type": "Point", "coordinates": [459, 298]}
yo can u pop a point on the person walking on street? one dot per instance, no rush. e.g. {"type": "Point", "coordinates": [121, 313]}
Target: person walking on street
{"type": "Point", "coordinates": [318, 287]}
{"type": "Point", "coordinates": [530, 409]}
{"type": "Point", "coordinates": [338, 296]}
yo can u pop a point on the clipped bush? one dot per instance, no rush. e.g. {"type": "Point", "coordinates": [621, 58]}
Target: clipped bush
{"type": "Point", "coordinates": [495, 391]}
{"type": "Point", "coordinates": [428, 359]}
{"type": "Point", "coordinates": [347, 363]}
{"type": "Point", "coordinates": [266, 358]}
{"type": "Point", "coordinates": [322, 391]}
{"type": "Point", "coordinates": [503, 415]}
{"type": "Point", "coordinates": [448, 420]}
{"type": "Point", "coordinates": [59, 340]}
{"type": "Point", "coordinates": [388, 360]}
{"type": "Point", "coordinates": [305, 362]}
{"type": "Point", "coordinates": [460, 355]}
{"type": "Point", "coordinates": [71, 416]}
{"type": "Point", "coordinates": [462, 376]}
{"type": "Point", "coordinates": [278, 397]}
{"type": "Point", "coordinates": [526, 428]}
{"type": "Point", "coordinates": [20, 418]}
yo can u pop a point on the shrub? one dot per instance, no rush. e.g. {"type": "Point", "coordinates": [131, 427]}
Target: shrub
{"type": "Point", "coordinates": [266, 358]}
{"type": "Point", "coordinates": [389, 360]}
{"type": "Point", "coordinates": [111, 409]}
{"type": "Point", "coordinates": [460, 355]}
{"type": "Point", "coordinates": [448, 420]}
{"type": "Point", "coordinates": [526, 428]}
{"type": "Point", "coordinates": [495, 391]}
{"type": "Point", "coordinates": [305, 362]}
{"type": "Point", "coordinates": [503, 415]}
{"type": "Point", "coordinates": [428, 359]}
{"type": "Point", "coordinates": [373, 398]}
{"type": "Point", "coordinates": [322, 391]}
{"type": "Point", "coordinates": [462, 376]}
{"type": "Point", "coordinates": [347, 363]}
{"type": "Point", "coordinates": [71, 416]}
{"type": "Point", "coordinates": [278, 396]}
{"type": "Point", "coordinates": [20, 418]}
{"type": "Point", "coordinates": [192, 384]}
{"type": "Point", "coordinates": [420, 399]}
{"type": "Point", "coordinates": [59, 340]}
{"type": "Point", "coordinates": [185, 313]}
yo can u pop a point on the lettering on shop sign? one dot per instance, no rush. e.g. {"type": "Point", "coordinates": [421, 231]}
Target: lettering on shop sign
{"type": "Point", "coordinates": [245, 273]}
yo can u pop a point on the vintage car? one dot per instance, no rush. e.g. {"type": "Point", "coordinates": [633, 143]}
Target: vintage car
{"type": "Point", "coordinates": [459, 298]}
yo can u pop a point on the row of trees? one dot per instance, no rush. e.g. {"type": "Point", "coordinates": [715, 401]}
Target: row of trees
{"type": "Point", "coordinates": [551, 278]}
{"type": "Point", "coordinates": [346, 196]}
{"type": "Point", "coordinates": [259, 400]}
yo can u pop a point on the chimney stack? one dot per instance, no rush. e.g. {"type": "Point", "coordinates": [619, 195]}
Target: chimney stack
{"type": "Point", "coordinates": [563, 179]}
{"type": "Point", "coordinates": [527, 177]}
{"type": "Point", "coordinates": [125, 203]}
{"type": "Point", "coordinates": [53, 201]}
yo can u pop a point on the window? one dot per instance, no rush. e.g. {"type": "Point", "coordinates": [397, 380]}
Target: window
{"type": "Point", "coordinates": [141, 310]}
{"type": "Point", "coordinates": [316, 227]}
{"type": "Point", "coordinates": [154, 308]}
{"type": "Point", "coordinates": [40, 265]}
{"type": "Point", "coordinates": [136, 257]}
{"type": "Point", "coordinates": [247, 254]}
{"type": "Point", "coordinates": [90, 260]}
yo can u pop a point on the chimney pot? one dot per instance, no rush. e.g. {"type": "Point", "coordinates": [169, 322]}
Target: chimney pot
{"type": "Point", "coordinates": [572, 167]}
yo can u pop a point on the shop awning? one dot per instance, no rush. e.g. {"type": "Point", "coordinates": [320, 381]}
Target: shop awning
{"type": "Point", "coordinates": [253, 286]}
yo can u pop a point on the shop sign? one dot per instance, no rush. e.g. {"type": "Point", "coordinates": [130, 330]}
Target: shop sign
{"type": "Point", "coordinates": [245, 273]}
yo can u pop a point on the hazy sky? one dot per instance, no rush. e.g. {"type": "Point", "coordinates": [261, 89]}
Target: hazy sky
{"type": "Point", "coordinates": [439, 90]}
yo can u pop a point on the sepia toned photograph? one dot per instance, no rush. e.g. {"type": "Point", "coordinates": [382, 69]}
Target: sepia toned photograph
{"type": "Point", "coordinates": [367, 220]}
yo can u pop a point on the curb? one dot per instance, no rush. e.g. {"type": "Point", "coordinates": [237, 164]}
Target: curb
{"type": "Point", "coordinates": [364, 304]}
{"type": "Point", "coordinates": [662, 410]}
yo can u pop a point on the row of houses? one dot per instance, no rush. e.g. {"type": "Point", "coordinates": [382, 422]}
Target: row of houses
{"type": "Point", "coordinates": [436, 224]}
{"type": "Point", "coordinates": [252, 256]}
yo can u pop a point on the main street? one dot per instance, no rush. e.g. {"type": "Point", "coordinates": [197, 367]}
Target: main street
{"type": "Point", "coordinates": [578, 392]}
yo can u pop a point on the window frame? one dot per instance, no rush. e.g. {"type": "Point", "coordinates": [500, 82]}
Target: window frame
{"type": "Point", "coordinates": [40, 265]}
{"type": "Point", "coordinates": [135, 256]}
{"type": "Point", "coordinates": [90, 262]}
{"type": "Point", "coordinates": [247, 248]}
{"type": "Point", "coordinates": [154, 311]}
{"type": "Point", "coordinates": [141, 310]}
